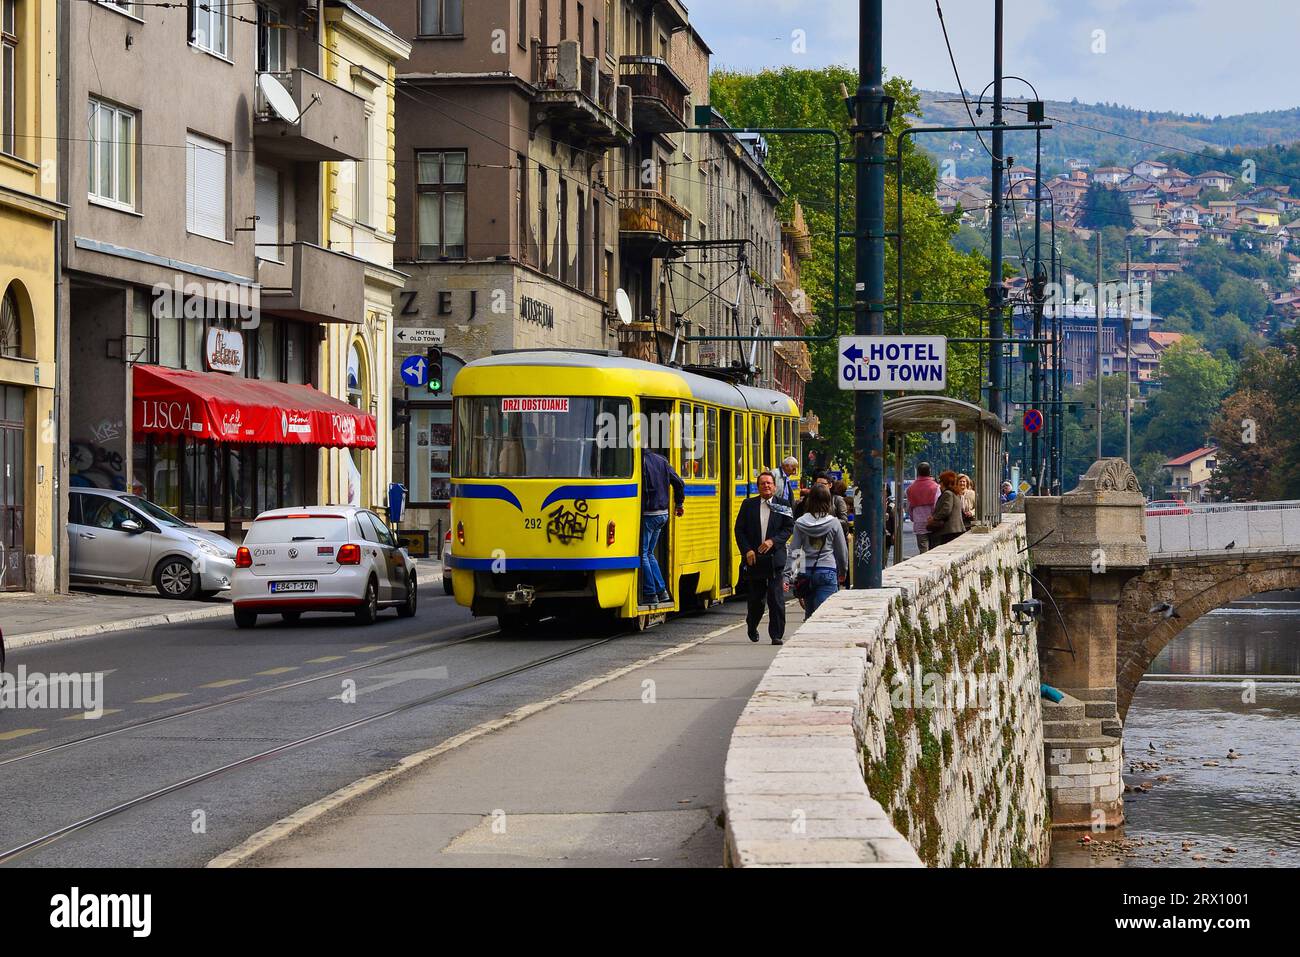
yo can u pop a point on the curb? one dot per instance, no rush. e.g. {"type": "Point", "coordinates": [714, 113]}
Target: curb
{"type": "Point", "coordinates": [285, 827]}
{"type": "Point", "coordinates": [14, 642]}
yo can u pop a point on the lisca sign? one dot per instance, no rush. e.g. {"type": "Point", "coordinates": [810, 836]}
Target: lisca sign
{"type": "Point", "coordinates": [893, 363]}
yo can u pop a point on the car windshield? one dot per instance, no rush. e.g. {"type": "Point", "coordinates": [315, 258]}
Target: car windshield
{"type": "Point", "coordinates": [319, 528]}
{"type": "Point", "coordinates": [158, 514]}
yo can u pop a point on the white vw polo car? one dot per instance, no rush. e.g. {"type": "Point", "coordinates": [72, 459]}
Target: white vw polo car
{"type": "Point", "coordinates": [321, 558]}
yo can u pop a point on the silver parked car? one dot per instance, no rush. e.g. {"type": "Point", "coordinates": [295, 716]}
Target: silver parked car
{"type": "Point", "coordinates": [120, 538]}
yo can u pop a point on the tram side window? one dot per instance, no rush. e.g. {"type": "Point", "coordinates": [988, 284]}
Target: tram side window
{"type": "Point", "coordinates": [583, 439]}
{"type": "Point", "coordinates": [738, 441]}
{"type": "Point", "coordinates": [711, 445]}
{"type": "Point", "coordinates": [756, 463]}
{"type": "Point", "coordinates": [685, 443]}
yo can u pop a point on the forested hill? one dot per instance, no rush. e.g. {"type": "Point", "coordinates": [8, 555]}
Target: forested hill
{"type": "Point", "coordinates": [1101, 134]}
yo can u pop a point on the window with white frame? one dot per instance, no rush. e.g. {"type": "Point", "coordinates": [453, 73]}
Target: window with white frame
{"type": "Point", "coordinates": [441, 18]}
{"type": "Point", "coordinates": [205, 186]}
{"type": "Point", "coordinates": [210, 25]}
{"type": "Point", "coordinates": [441, 187]}
{"type": "Point", "coordinates": [267, 200]}
{"type": "Point", "coordinates": [9, 77]}
{"type": "Point", "coordinates": [126, 6]}
{"type": "Point", "coordinates": [271, 33]}
{"type": "Point", "coordinates": [365, 185]}
{"type": "Point", "coordinates": [111, 140]}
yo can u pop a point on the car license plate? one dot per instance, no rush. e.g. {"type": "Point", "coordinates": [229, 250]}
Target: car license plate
{"type": "Point", "coordinates": [279, 587]}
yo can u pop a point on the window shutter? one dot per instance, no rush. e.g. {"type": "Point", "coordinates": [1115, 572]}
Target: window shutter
{"type": "Point", "coordinates": [268, 214]}
{"type": "Point", "coordinates": [206, 187]}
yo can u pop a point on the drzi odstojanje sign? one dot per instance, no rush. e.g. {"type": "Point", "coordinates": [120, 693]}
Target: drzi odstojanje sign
{"type": "Point", "coordinates": [893, 363]}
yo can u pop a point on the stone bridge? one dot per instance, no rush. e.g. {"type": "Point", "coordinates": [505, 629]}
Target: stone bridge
{"type": "Point", "coordinates": [1118, 586]}
{"type": "Point", "coordinates": [1193, 569]}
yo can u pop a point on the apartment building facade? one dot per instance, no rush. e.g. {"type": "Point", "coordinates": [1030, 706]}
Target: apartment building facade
{"type": "Point", "coordinates": [29, 217]}
{"type": "Point", "coordinates": [199, 284]}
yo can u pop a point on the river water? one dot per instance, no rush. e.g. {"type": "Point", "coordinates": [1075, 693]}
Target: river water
{"type": "Point", "coordinates": [1230, 683]}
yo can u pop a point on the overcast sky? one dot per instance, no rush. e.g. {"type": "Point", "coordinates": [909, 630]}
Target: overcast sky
{"type": "Point", "coordinates": [1193, 56]}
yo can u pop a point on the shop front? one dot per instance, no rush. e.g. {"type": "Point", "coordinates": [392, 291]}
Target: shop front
{"type": "Point", "coordinates": [217, 450]}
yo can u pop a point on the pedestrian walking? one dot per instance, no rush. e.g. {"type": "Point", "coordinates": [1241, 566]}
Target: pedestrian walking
{"type": "Point", "coordinates": [763, 527]}
{"type": "Point", "coordinates": [946, 522]}
{"type": "Point", "coordinates": [658, 481]}
{"type": "Point", "coordinates": [821, 550]}
{"type": "Point", "coordinates": [966, 488]}
{"type": "Point", "coordinates": [789, 479]}
{"type": "Point", "coordinates": [921, 498]}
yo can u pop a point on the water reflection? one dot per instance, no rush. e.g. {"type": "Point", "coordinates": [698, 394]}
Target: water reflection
{"type": "Point", "coordinates": [1194, 806]}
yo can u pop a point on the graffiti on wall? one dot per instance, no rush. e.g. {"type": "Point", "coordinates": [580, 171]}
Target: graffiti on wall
{"type": "Point", "coordinates": [96, 461]}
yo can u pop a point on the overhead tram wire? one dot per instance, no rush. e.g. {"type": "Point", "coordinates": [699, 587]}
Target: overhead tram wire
{"type": "Point", "coordinates": [960, 88]}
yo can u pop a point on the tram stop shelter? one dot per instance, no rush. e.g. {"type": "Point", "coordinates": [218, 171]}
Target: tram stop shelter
{"type": "Point", "coordinates": [937, 413]}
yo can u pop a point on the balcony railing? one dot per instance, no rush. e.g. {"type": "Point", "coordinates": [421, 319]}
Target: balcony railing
{"type": "Point", "coordinates": [572, 87]}
{"type": "Point", "coordinates": [648, 211]}
{"type": "Point", "coordinates": [658, 94]}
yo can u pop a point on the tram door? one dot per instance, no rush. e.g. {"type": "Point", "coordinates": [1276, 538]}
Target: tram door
{"type": "Point", "coordinates": [726, 489]}
{"type": "Point", "coordinates": [657, 433]}
{"type": "Point", "coordinates": [12, 480]}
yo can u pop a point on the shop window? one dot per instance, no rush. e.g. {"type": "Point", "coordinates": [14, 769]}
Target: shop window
{"type": "Point", "coordinates": [295, 353]}
{"type": "Point", "coordinates": [268, 350]}
{"type": "Point", "coordinates": [429, 456]}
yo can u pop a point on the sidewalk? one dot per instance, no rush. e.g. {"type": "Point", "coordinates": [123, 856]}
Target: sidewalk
{"type": "Point", "coordinates": [27, 619]}
{"type": "Point", "coordinates": [604, 779]}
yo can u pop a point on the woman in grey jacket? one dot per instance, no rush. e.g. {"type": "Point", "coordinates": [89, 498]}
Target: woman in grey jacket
{"type": "Point", "coordinates": [946, 523]}
{"type": "Point", "coordinates": [819, 542]}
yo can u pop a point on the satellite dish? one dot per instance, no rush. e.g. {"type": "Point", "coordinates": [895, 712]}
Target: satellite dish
{"type": "Point", "coordinates": [278, 98]}
{"type": "Point", "coordinates": [624, 306]}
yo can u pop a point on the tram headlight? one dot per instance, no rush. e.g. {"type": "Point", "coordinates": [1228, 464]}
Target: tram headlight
{"type": "Point", "coordinates": [460, 533]}
{"type": "Point", "coordinates": [609, 534]}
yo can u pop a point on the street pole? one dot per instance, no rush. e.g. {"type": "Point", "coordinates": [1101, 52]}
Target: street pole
{"type": "Point", "coordinates": [1097, 299]}
{"type": "Point", "coordinates": [1128, 354]}
{"type": "Point", "coordinates": [869, 295]}
{"type": "Point", "coordinates": [995, 243]}
{"type": "Point", "coordinates": [1038, 290]}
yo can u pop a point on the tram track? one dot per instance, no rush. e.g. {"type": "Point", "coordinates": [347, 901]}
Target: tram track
{"type": "Point", "coordinates": [122, 807]}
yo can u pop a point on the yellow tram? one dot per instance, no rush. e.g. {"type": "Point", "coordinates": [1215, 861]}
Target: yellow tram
{"type": "Point", "coordinates": [546, 481]}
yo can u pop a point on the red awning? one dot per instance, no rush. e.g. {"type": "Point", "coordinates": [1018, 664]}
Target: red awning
{"type": "Point", "coordinates": [224, 408]}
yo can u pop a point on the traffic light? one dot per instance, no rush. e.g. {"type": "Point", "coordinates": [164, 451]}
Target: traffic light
{"type": "Point", "coordinates": [435, 371]}
{"type": "Point", "coordinates": [401, 413]}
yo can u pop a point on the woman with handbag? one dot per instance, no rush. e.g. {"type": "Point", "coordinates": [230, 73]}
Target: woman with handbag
{"type": "Point", "coordinates": [966, 488]}
{"type": "Point", "coordinates": [946, 522]}
{"type": "Point", "coordinates": [823, 553]}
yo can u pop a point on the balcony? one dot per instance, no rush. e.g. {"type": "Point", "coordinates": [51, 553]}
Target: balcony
{"type": "Point", "coordinates": [332, 126]}
{"type": "Point", "coordinates": [583, 104]}
{"type": "Point", "coordinates": [658, 94]}
{"type": "Point", "coordinates": [314, 284]}
{"type": "Point", "coordinates": [649, 223]}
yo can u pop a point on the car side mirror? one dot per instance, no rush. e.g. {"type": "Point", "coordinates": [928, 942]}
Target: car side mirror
{"type": "Point", "coordinates": [132, 526]}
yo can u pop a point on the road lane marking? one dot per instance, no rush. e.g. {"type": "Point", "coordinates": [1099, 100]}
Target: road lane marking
{"type": "Point", "coordinates": [86, 715]}
{"type": "Point", "coordinates": [278, 671]}
{"type": "Point", "coordinates": [362, 650]}
{"type": "Point", "coordinates": [224, 683]}
{"type": "Point", "coordinates": [254, 845]}
{"type": "Point", "coordinates": [160, 698]}
{"type": "Point", "coordinates": [18, 733]}
{"type": "Point", "coordinates": [325, 660]}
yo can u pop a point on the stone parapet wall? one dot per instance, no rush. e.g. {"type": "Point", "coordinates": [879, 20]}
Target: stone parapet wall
{"type": "Point", "coordinates": [900, 726]}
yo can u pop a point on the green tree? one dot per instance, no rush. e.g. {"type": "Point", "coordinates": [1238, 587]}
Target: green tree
{"type": "Point", "coordinates": [1192, 385]}
{"type": "Point", "coordinates": [805, 167]}
{"type": "Point", "coordinates": [1105, 206]}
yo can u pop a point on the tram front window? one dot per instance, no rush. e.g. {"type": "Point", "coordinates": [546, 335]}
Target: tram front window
{"type": "Point", "coordinates": [509, 437]}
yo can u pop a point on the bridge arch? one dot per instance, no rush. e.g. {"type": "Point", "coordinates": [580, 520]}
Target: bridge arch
{"type": "Point", "coordinates": [1195, 587]}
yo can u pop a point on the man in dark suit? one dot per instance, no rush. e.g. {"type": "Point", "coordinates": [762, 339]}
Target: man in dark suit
{"type": "Point", "coordinates": [763, 526]}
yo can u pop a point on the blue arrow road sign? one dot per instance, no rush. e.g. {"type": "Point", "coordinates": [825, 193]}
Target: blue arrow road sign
{"type": "Point", "coordinates": [415, 371]}
{"type": "Point", "coordinates": [853, 353]}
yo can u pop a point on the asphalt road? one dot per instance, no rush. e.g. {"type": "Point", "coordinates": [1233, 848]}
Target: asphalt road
{"type": "Point", "coordinates": [237, 694]}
